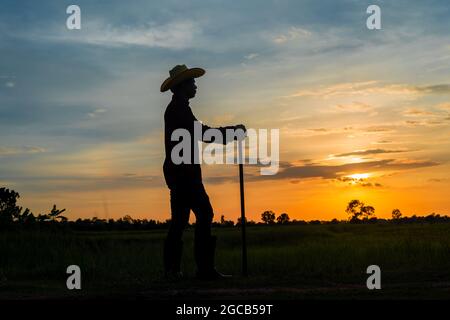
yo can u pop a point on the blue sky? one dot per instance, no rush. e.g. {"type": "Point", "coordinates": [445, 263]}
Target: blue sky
{"type": "Point", "coordinates": [81, 112]}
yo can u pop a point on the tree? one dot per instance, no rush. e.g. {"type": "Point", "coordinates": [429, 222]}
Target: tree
{"type": "Point", "coordinates": [239, 220]}
{"type": "Point", "coordinates": [225, 222]}
{"type": "Point", "coordinates": [268, 217]}
{"type": "Point", "coordinates": [9, 211]}
{"type": "Point", "coordinates": [55, 214]}
{"type": "Point", "coordinates": [8, 199]}
{"type": "Point", "coordinates": [128, 219]}
{"type": "Point", "coordinates": [283, 218]}
{"type": "Point", "coordinates": [396, 214]}
{"type": "Point", "coordinates": [357, 209]}
{"type": "Point", "coordinates": [352, 209]}
{"type": "Point", "coordinates": [367, 211]}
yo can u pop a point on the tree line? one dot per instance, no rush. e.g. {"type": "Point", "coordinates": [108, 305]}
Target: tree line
{"type": "Point", "coordinates": [14, 216]}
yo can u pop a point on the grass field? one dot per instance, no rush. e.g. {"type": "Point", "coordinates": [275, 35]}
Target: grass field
{"type": "Point", "coordinates": [285, 262]}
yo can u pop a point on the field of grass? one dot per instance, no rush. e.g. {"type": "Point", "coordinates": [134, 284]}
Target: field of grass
{"type": "Point", "coordinates": [285, 262]}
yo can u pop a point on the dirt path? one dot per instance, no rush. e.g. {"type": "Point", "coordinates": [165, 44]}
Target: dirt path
{"type": "Point", "coordinates": [338, 291]}
{"type": "Point", "coordinates": [405, 290]}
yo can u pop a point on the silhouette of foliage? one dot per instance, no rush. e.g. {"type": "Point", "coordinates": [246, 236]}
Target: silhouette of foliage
{"type": "Point", "coordinates": [11, 213]}
{"type": "Point", "coordinates": [14, 216]}
{"type": "Point", "coordinates": [226, 223]}
{"type": "Point", "coordinates": [357, 209]}
{"type": "Point", "coordinates": [396, 214]}
{"type": "Point", "coordinates": [283, 218]}
{"type": "Point", "coordinates": [268, 217]}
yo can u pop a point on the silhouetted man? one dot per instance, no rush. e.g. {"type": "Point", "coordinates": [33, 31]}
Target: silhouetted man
{"type": "Point", "coordinates": [185, 180]}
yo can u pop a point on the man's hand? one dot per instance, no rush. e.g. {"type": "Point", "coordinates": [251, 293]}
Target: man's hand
{"type": "Point", "coordinates": [240, 126]}
{"type": "Point", "coordinates": [241, 137]}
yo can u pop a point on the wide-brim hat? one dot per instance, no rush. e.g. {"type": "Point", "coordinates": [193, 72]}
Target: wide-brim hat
{"type": "Point", "coordinates": [180, 73]}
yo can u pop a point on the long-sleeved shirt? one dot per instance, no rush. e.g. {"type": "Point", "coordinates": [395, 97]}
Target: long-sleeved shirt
{"type": "Point", "coordinates": [179, 115]}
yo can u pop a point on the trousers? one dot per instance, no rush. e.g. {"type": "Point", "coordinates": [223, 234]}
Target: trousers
{"type": "Point", "coordinates": [185, 197]}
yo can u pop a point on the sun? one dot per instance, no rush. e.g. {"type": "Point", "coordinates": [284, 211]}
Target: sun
{"type": "Point", "coordinates": [359, 176]}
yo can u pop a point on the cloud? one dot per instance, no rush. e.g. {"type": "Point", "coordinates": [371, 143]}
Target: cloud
{"type": "Point", "coordinates": [319, 130]}
{"type": "Point", "coordinates": [10, 84]}
{"type": "Point", "coordinates": [368, 152]}
{"type": "Point", "coordinates": [350, 88]}
{"type": "Point", "coordinates": [251, 56]}
{"type": "Point", "coordinates": [360, 182]}
{"type": "Point", "coordinates": [425, 123]}
{"type": "Point", "coordinates": [416, 112]}
{"type": "Point", "coordinates": [354, 107]}
{"type": "Point", "coordinates": [370, 184]}
{"type": "Point", "coordinates": [337, 171]}
{"type": "Point", "coordinates": [435, 89]}
{"type": "Point", "coordinates": [172, 35]}
{"type": "Point", "coordinates": [96, 113]}
{"type": "Point", "coordinates": [444, 106]}
{"type": "Point", "coordinates": [293, 33]}
{"type": "Point", "coordinates": [44, 119]}
{"type": "Point", "coordinates": [39, 113]}
{"type": "Point", "coordinates": [369, 88]}
{"type": "Point", "coordinates": [44, 184]}
{"type": "Point", "coordinates": [294, 173]}
{"type": "Point", "coordinates": [382, 142]}
{"type": "Point", "coordinates": [12, 151]}
{"type": "Point", "coordinates": [380, 128]}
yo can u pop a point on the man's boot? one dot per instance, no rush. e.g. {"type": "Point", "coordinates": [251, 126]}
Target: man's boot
{"type": "Point", "coordinates": [173, 251]}
{"type": "Point", "coordinates": [204, 252]}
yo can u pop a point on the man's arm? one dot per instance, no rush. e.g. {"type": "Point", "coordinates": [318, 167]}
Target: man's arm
{"type": "Point", "coordinates": [237, 132]}
{"type": "Point", "coordinates": [223, 130]}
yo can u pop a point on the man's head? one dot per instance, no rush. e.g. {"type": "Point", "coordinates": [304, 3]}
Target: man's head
{"type": "Point", "coordinates": [186, 89]}
{"type": "Point", "coordinates": [182, 81]}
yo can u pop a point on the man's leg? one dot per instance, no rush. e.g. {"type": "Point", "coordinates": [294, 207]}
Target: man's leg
{"type": "Point", "coordinates": [205, 244]}
{"type": "Point", "coordinates": [173, 245]}
{"type": "Point", "coordinates": [203, 213]}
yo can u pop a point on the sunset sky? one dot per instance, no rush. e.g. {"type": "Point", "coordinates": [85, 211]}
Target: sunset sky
{"type": "Point", "coordinates": [363, 114]}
